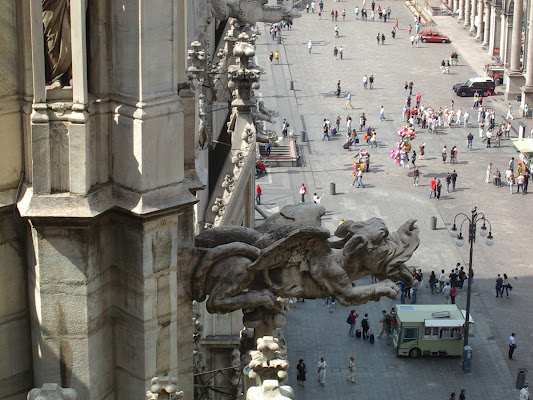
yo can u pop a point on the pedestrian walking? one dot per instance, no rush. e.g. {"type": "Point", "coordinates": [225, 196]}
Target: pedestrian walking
{"type": "Point", "coordinates": [453, 177]}
{"type": "Point", "coordinates": [258, 194]}
{"type": "Point", "coordinates": [411, 84]}
{"type": "Point", "coordinates": [511, 164]}
{"type": "Point", "coordinates": [301, 371]}
{"type": "Point", "coordinates": [371, 81]}
{"type": "Point", "coordinates": [378, 37]}
{"type": "Point", "coordinates": [336, 30]}
{"type": "Point", "coordinates": [322, 366]}
{"type": "Point", "coordinates": [353, 369]}
{"type": "Point", "coordinates": [416, 176]}
{"type": "Point", "coordinates": [448, 181]}
{"type": "Point", "coordinates": [303, 192]}
{"type": "Point", "coordinates": [469, 140]}
{"type": "Point", "coordinates": [498, 286]}
{"type": "Point", "coordinates": [276, 56]}
{"type": "Point", "coordinates": [432, 281]}
{"type": "Point", "coordinates": [271, 57]}
{"type": "Point", "coordinates": [348, 103]}
{"type": "Point", "coordinates": [385, 324]}
{"type": "Point", "coordinates": [335, 52]}
{"type": "Point", "coordinates": [365, 81]}
{"type": "Point", "coordinates": [442, 280]}
{"type": "Point", "coordinates": [382, 114]}
{"type": "Point", "coordinates": [433, 187]}
{"type": "Point", "coordinates": [341, 52]}
{"type": "Point", "coordinates": [505, 286]}
{"type": "Point", "coordinates": [309, 46]}
{"type": "Point", "coordinates": [382, 39]}
{"type": "Point", "coordinates": [488, 174]}
{"type": "Point", "coordinates": [414, 289]}
{"type": "Point", "coordinates": [365, 326]}
{"type": "Point", "coordinates": [524, 392]}
{"type": "Point", "coordinates": [439, 187]}
{"type": "Point", "coordinates": [512, 345]}
{"type": "Point", "coordinates": [338, 90]}
{"type": "Point", "coordinates": [325, 130]}
{"type": "Point", "coordinates": [444, 155]}
{"type": "Point", "coordinates": [352, 321]}
{"type": "Point", "coordinates": [446, 292]}
{"type": "Point", "coordinates": [509, 112]}
{"type": "Point", "coordinates": [453, 293]}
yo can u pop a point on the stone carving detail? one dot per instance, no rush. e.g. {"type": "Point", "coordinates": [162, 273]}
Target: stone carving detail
{"type": "Point", "coordinates": [290, 255]}
{"type": "Point", "coordinates": [204, 133]}
{"type": "Point", "coordinates": [163, 388]}
{"type": "Point", "coordinates": [52, 391]}
{"type": "Point", "coordinates": [269, 367]}
{"type": "Point", "coordinates": [250, 11]}
{"type": "Point", "coordinates": [228, 184]}
{"type": "Point", "coordinates": [238, 160]}
{"type": "Point", "coordinates": [245, 77]}
{"type": "Point", "coordinates": [59, 157]}
{"type": "Point", "coordinates": [264, 114]}
{"type": "Point", "coordinates": [57, 39]}
{"type": "Point", "coordinates": [197, 59]}
{"type": "Point", "coordinates": [219, 208]}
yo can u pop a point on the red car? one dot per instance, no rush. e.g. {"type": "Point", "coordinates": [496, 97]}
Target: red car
{"type": "Point", "coordinates": [432, 36]}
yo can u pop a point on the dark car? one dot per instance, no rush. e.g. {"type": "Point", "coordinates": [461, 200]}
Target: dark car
{"type": "Point", "coordinates": [483, 85]}
{"type": "Point", "coordinates": [435, 37]}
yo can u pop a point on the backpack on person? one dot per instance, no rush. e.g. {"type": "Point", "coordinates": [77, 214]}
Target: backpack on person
{"type": "Point", "coordinates": [349, 319]}
{"type": "Point", "coordinates": [364, 324]}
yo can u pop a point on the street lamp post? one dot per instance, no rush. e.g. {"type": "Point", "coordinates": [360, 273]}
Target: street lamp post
{"type": "Point", "coordinates": [472, 223]}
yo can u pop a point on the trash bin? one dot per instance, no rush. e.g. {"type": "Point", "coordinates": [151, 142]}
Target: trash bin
{"type": "Point", "coordinates": [303, 136]}
{"type": "Point", "coordinates": [520, 379]}
{"type": "Point", "coordinates": [433, 223]}
{"type": "Point", "coordinates": [332, 188]}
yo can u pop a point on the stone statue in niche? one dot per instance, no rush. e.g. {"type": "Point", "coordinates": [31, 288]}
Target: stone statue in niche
{"type": "Point", "coordinates": [290, 255]}
{"type": "Point", "coordinates": [57, 38]}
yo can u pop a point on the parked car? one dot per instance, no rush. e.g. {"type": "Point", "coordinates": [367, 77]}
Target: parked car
{"type": "Point", "coordinates": [433, 36]}
{"type": "Point", "coordinates": [483, 85]}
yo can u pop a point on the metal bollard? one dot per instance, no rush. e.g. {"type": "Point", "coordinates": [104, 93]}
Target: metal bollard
{"type": "Point", "coordinates": [292, 85]}
{"type": "Point", "coordinates": [303, 136]}
{"type": "Point", "coordinates": [279, 39]}
{"type": "Point", "coordinates": [433, 223]}
{"type": "Point", "coordinates": [332, 189]}
{"type": "Point", "coordinates": [520, 379]}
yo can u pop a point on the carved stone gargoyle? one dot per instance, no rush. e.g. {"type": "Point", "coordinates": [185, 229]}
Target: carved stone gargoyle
{"type": "Point", "coordinates": [290, 255]}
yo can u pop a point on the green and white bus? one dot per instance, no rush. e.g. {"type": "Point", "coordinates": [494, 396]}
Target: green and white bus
{"type": "Point", "coordinates": [432, 330]}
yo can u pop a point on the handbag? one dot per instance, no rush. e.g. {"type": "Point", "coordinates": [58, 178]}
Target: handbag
{"type": "Point", "coordinates": [356, 140]}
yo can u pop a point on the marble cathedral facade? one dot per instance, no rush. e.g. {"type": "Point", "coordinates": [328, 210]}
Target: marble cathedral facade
{"type": "Point", "coordinates": [109, 165]}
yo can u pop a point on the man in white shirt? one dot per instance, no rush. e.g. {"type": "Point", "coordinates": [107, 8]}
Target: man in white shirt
{"type": "Point", "coordinates": [512, 345]}
{"type": "Point", "coordinates": [446, 292]}
{"type": "Point", "coordinates": [524, 392]}
{"type": "Point", "coordinates": [442, 279]}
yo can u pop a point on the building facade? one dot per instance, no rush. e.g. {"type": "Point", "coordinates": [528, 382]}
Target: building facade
{"type": "Point", "coordinates": [115, 152]}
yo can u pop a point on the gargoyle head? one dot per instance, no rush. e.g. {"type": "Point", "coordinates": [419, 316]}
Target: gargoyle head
{"type": "Point", "coordinates": [369, 248]}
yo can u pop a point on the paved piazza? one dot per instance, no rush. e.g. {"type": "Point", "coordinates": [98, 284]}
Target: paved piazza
{"type": "Point", "coordinates": [311, 330]}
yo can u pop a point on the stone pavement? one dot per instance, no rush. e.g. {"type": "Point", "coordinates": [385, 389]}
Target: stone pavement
{"type": "Point", "coordinates": [311, 330]}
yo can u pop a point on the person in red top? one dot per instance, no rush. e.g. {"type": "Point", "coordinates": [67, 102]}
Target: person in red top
{"type": "Point", "coordinates": [433, 191]}
{"type": "Point", "coordinates": [258, 194]}
{"type": "Point", "coordinates": [303, 192]}
{"type": "Point", "coordinates": [351, 320]}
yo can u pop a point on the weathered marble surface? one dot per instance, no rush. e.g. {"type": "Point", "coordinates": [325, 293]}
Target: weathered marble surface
{"type": "Point", "coordinates": [291, 256]}
{"type": "Point", "coordinates": [251, 11]}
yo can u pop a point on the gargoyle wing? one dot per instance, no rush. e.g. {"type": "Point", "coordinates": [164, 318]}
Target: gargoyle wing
{"type": "Point", "coordinates": [304, 241]}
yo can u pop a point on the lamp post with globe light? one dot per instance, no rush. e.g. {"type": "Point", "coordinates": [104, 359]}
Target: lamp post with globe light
{"type": "Point", "coordinates": [472, 223]}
